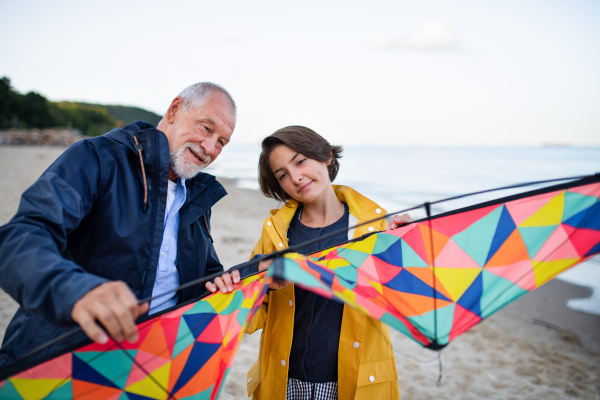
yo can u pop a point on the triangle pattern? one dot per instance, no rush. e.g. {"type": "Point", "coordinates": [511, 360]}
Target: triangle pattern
{"type": "Point", "coordinates": [477, 239]}
{"type": "Point", "coordinates": [485, 257]}
{"type": "Point", "coordinates": [504, 229]}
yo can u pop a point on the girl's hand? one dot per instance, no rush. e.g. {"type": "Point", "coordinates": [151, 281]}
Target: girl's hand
{"type": "Point", "coordinates": [398, 221]}
{"type": "Point", "coordinates": [276, 284]}
{"type": "Point", "coordinates": [264, 264]}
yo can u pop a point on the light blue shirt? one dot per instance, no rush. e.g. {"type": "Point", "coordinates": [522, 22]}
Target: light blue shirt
{"type": "Point", "coordinates": [167, 275]}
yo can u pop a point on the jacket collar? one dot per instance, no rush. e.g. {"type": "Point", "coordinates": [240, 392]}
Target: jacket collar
{"type": "Point", "coordinates": [359, 206]}
{"type": "Point", "coordinates": [148, 136]}
{"type": "Point", "coordinates": [203, 191]}
{"type": "Point", "coordinates": [145, 133]}
{"type": "Point", "coordinates": [206, 187]}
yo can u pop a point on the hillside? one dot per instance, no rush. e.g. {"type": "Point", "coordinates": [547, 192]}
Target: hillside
{"type": "Point", "coordinates": [34, 111]}
{"type": "Point", "coordinates": [130, 114]}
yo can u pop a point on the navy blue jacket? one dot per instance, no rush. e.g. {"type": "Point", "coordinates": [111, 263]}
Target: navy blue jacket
{"type": "Point", "coordinates": [83, 222]}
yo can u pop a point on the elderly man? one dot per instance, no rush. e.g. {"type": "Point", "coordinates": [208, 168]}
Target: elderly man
{"type": "Point", "coordinates": [114, 219]}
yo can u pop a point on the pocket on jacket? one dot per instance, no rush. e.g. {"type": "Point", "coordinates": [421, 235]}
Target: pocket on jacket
{"type": "Point", "coordinates": [253, 378]}
{"type": "Point", "coordinates": [376, 373]}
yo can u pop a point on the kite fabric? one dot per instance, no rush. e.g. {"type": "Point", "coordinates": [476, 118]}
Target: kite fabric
{"type": "Point", "coordinates": [436, 278]}
{"type": "Point", "coordinates": [184, 353]}
{"type": "Point", "coordinates": [432, 280]}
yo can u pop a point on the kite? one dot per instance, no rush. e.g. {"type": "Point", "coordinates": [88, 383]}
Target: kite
{"type": "Point", "coordinates": [183, 353]}
{"type": "Point", "coordinates": [436, 278]}
{"type": "Point", "coordinates": [432, 279]}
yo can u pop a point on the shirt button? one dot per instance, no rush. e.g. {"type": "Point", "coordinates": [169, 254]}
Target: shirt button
{"type": "Point", "coordinates": [371, 229]}
{"type": "Point", "coordinates": [283, 362]}
{"type": "Point", "coordinates": [280, 244]}
{"type": "Point", "coordinates": [163, 253]}
{"type": "Point", "coordinates": [291, 303]}
{"type": "Point", "coordinates": [356, 345]}
{"type": "Point", "coordinates": [378, 211]}
{"type": "Point", "coordinates": [269, 223]}
{"type": "Point", "coordinates": [372, 378]}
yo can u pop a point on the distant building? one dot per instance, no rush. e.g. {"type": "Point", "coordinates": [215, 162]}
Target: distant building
{"type": "Point", "coordinates": [40, 137]}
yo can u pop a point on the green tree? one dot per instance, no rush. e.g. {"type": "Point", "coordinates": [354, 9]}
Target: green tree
{"type": "Point", "coordinates": [35, 111]}
{"type": "Point", "coordinates": [9, 104]}
{"type": "Point", "coordinates": [91, 119]}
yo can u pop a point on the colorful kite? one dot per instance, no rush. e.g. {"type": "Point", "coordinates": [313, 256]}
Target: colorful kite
{"type": "Point", "coordinates": [436, 278]}
{"type": "Point", "coordinates": [432, 280]}
{"type": "Point", "coordinates": [182, 354]}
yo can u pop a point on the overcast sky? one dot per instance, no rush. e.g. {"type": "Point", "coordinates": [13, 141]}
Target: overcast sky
{"type": "Point", "coordinates": [372, 72]}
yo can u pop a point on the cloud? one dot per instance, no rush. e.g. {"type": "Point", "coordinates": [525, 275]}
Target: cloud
{"type": "Point", "coordinates": [382, 41]}
{"type": "Point", "coordinates": [432, 35]}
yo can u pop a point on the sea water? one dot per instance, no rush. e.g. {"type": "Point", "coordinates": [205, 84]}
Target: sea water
{"type": "Point", "coordinates": [399, 178]}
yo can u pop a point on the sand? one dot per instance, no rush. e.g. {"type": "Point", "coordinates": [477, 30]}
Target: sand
{"type": "Point", "coordinates": [535, 348]}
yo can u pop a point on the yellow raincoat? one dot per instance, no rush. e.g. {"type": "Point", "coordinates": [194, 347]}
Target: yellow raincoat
{"type": "Point", "coordinates": [366, 365]}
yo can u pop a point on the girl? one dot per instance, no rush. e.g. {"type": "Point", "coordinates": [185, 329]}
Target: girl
{"type": "Point", "coordinates": [311, 347]}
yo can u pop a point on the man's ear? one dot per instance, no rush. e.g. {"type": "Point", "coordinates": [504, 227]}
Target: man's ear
{"type": "Point", "coordinates": [175, 107]}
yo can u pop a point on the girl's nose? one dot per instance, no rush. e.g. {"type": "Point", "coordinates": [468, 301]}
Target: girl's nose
{"type": "Point", "coordinates": [296, 177]}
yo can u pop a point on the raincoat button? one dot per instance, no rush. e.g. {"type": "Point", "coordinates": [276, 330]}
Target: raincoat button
{"type": "Point", "coordinates": [378, 211]}
{"type": "Point", "coordinates": [269, 223]}
{"type": "Point", "coordinates": [356, 345]}
{"type": "Point", "coordinates": [371, 229]}
{"type": "Point", "coordinates": [283, 362]}
{"type": "Point", "coordinates": [372, 378]}
{"type": "Point", "coordinates": [291, 303]}
{"type": "Point", "coordinates": [280, 244]}
{"type": "Point", "coordinates": [249, 380]}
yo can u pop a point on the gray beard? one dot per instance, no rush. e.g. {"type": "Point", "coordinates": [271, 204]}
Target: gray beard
{"type": "Point", "coordinates": [186, 169]}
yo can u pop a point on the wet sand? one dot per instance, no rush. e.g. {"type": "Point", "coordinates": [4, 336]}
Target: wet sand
{"type": "Point", "coordinates": [535, 348]}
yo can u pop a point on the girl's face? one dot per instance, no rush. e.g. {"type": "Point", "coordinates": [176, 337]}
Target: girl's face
{"type": "Point", "coordinates": [302, 178]}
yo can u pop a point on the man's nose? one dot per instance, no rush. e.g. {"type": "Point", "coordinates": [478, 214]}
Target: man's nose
{"type": "Point", "coordinates": [209, 145]}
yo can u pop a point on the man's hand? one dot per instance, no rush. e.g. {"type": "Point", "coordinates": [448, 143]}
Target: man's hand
{"type": "Point", "coordinates": [224, 283]}
{"type": "Point", "coordinates": [398, 221]}
{"type": "Point", "coordinates": [113, 305]}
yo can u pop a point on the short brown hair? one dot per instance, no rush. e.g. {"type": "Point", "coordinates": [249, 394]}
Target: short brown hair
{"type": "Point", "coordinates": [303, 140]}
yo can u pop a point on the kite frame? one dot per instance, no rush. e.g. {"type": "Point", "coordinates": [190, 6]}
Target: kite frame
{"type": "Point", "coordinates": [21, 364]}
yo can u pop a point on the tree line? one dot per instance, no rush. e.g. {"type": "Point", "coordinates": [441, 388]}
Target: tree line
{"type": "Point", "coordinates": [32, 110]}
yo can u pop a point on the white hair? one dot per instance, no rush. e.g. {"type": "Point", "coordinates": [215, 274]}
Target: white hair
{"type": "Point", "coordinates": [197, 95]}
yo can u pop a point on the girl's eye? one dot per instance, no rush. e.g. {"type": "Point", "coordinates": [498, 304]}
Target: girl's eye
{"type": "Point", "coordinates": [301, 161]}
{"type": "Point", "coordinates": [280, 177]}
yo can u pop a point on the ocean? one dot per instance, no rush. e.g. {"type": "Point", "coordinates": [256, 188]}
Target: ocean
{"type": "Point", "coordinates": [399, 178]}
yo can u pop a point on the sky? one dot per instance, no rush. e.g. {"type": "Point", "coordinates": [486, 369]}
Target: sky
{"type": "Point", "coordinates": [369, 73]}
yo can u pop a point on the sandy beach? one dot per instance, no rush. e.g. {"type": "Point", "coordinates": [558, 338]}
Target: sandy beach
{"type": "Point", "coordinates": [535, 348]}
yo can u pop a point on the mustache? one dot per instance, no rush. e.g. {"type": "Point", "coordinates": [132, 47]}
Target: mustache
{"type": "Point", "coordinates": [198, 152]}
